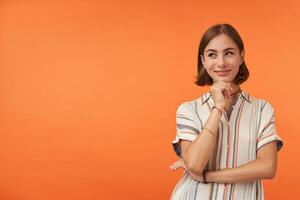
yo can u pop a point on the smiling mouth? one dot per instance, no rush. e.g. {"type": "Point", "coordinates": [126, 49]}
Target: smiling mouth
{"type": "Point", "coordinates": [222, 72]}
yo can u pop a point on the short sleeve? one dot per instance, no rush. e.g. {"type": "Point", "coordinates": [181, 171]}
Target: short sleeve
{"type": "Point", "coordinates": [267, 130]}
{"type": "Point", "coordinates": [187, 126]}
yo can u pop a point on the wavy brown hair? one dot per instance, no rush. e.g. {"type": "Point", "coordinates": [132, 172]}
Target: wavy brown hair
{"type": "Point", "coordinates": [203, 78]}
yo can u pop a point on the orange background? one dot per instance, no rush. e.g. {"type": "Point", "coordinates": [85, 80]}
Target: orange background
{"type": "Point", "coordinates": [89, 92]}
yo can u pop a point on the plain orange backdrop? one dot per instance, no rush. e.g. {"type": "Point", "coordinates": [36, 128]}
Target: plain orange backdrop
{"type": "Point", "coordinates": [89, 91]}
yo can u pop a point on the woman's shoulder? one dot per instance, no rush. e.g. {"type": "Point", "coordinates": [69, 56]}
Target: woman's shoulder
{"type": "Point", "coordinates": [261, 102]}
{"type": "Point", "coordinates": [193, 105]}
{"type": "Point", "coordinates": [195, 101]}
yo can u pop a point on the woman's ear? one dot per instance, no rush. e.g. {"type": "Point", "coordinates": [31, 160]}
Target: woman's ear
{"type": "Point", "coordinates": [202, 60]}
{"type": "Point", "coordinates": [242, 57]}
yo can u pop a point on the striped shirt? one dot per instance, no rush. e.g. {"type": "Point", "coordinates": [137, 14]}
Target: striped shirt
{"type": "Point", "coordinates": [251, 125]}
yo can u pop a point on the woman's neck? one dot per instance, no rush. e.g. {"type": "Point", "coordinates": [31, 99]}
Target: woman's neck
{"type": "Point", "coordinates": [235, 92]}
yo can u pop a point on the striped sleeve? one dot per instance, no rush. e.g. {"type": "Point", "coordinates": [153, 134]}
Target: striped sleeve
{"type": "Point", "coordinates": [187, 127]}
{"type": "Point", "coordinates": [267, 129]}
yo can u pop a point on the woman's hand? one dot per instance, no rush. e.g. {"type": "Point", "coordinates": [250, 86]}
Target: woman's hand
{"type": "Point", "coordinates": [180, 164]}
{"type": "Point", "coordinates": [221, 91]}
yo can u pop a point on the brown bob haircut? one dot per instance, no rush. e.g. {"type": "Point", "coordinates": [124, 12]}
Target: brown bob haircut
{"type": "Point", "coordinates": [203, 78]}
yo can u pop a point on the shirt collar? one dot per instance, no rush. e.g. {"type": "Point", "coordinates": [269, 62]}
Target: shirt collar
{"type": "Point", "coordinates": [243, 94]}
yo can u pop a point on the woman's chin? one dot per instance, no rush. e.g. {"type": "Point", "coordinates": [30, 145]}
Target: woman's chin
{"type": "Point", "coordinates": [225, 79]}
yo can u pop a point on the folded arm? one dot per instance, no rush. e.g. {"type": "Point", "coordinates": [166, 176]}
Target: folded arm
{"type": "Point", "coordinates": [264, 167]}
{"type": "Point", "coordinates": [196, 154]}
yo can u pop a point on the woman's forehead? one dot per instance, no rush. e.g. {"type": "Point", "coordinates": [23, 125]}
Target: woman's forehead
{"type": "Point", "coordinates": [220, 43]}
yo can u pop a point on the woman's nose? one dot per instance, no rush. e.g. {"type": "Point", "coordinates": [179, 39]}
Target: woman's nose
{"type": "Point", "coordinates": [221, 61]}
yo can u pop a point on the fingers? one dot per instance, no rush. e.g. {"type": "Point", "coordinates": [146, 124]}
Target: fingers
{"type": "Point", "coordinates": [222, 87]}
{"type": "Point", "coordinates": [179, 163]}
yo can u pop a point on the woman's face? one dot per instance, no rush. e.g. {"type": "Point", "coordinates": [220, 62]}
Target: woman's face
{"type": "Point", "coordinates": [222, 58]}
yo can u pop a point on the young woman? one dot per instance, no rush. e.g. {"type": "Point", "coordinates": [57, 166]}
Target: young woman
{"type": "Point", "coordinates": [226, 139]}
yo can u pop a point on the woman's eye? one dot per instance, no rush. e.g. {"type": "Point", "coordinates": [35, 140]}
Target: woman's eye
{"type": "Point", "coordinates": [229, 53]}
{"type": "Point", "coordinates": [211, 55]}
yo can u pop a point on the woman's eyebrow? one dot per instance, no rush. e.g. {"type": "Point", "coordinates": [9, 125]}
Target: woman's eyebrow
{"type": "Point", "coordinates": [211, 50]}
{"type": "Point", "coordinates": [227, 49]}
{"type": "Point", "coordinates": [230, 48]}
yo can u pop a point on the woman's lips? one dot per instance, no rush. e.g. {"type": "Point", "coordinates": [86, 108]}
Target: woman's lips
{"type": "Point", "coordinates": [222, 72]}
